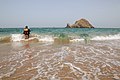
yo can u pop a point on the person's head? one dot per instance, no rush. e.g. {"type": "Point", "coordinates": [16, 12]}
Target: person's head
{"type": "Point", "coordinates": [26, 26]}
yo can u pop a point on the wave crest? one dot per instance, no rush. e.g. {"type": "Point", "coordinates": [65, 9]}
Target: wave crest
{"type": "Point", "coordinates": [51, 38]}
{"type": "Point", "coordinates": [109, 37]}
{"type": "Point", "coordinates": [5, 39]}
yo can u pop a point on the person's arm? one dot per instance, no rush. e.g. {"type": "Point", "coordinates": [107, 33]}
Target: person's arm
{"type": "Point", "coordinates": [29, 31]}
{"type": "Point", "coordinates": [23, 32]}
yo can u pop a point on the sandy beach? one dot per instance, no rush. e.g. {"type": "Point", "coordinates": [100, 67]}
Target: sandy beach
{"type": "Point", "coordinates": [51, 61]}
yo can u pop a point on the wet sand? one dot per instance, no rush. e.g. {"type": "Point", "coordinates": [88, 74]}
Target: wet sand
{"type": "Point", "coordinates": [97, 60]}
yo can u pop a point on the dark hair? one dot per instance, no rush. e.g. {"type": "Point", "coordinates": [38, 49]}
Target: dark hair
{"type": "Point", "coordinates": [26, 26]}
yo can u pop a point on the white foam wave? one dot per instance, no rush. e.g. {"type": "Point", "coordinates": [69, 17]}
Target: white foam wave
{"type": "Point", "coordinates": [50, 38]}
{"type": "Point", "coordinates": [109, 37]}
{"type": "Point", "coordinates": [46, 38]}
{"type": "Point", "coordinates": [100, 38]}
{"type": "Point", "coordinates": [20, 37]}
{"type": "Point", "coordinates": [17, 37]}
{"type": "Point", "coordinates": [76, 40]}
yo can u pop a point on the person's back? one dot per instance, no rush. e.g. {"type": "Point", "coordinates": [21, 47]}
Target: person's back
{"type": "Point", "coordinates": [26, 32]}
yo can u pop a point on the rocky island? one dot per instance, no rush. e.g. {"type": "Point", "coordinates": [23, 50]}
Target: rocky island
{"type": "Point", "coordinates": [82, 23]}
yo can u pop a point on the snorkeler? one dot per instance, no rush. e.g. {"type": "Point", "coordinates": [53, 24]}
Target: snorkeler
{"type": "Point", "coordinates": [26, 32]}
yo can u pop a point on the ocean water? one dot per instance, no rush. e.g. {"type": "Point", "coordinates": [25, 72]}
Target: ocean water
{"type": "Point", "coordinates": [49, 34]}
{"type": "Point", "coordinates": [60, 54]}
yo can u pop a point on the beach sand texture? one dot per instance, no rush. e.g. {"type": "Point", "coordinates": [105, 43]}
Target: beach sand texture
{"type": "Point", "coordinates": [97, 60]}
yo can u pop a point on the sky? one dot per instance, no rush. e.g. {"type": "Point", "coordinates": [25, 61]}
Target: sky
{"type": "Point", "coordinates": [57, 13]}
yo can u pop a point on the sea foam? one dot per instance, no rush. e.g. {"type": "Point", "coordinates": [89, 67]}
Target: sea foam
{"type": "Point", "coordinates": [50, 38]}
{"type": "Point", "coordinates": [17, 37]}
{"type": "Point", "coordinates": [109, 37]}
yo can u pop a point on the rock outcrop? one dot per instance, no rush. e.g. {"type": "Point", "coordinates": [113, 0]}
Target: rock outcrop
{"type": "Point", "coordinates": [82, 23]}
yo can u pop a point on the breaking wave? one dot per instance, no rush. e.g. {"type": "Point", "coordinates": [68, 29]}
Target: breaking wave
{"type": "Point", "coordinates": [109, 37]}
{"type": "Point", "coordinates": [5, 39]}
{"type": "Point", "coordinates": [97, 38]}
{"type": "Point", "coordinates": [52, 38]}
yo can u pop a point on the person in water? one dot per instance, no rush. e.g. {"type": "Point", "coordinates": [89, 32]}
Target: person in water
{"type": "Point", "coordinates": [26, 32]}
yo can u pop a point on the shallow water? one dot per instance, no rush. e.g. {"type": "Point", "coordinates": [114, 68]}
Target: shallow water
{"type": "Point", "coordinates": [50, 34]}
{"type": "Point", "coordinates": [95, 60]}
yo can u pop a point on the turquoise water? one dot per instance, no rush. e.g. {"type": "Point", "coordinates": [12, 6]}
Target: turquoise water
{"type": "Point", "coordinates": [77, 31]}
{"type": "Point", "coordinates": [71, 33]}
